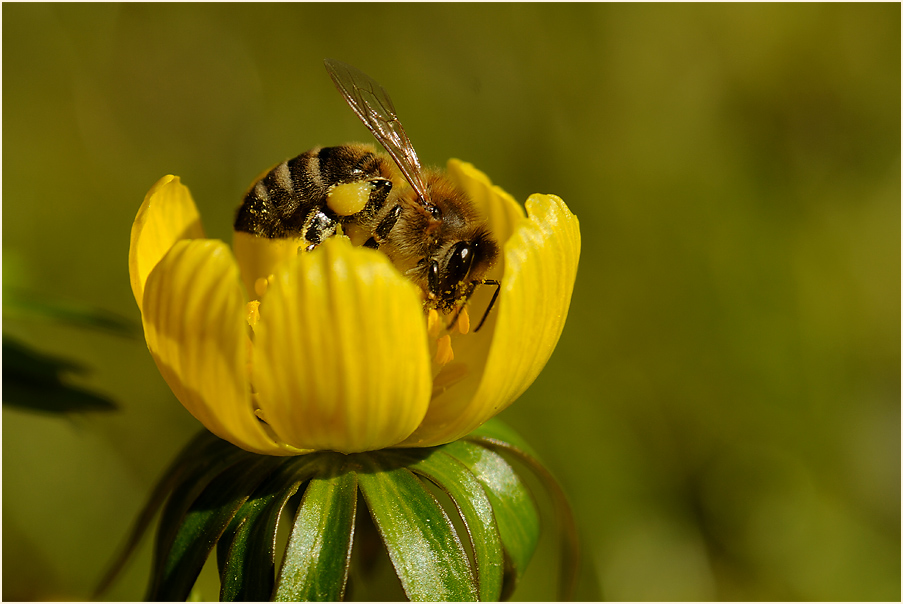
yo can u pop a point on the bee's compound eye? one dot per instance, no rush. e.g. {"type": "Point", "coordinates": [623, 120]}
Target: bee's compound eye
{"type": "Point", "coordinates": [433, 277]}
{"type": "Point", "coordinates": [459, 261]}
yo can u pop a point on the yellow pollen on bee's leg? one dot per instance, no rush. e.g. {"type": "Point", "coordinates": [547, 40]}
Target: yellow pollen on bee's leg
{"type": "Point", "coordinates": [432, 323]}
{"type": "Point", "coordinates": [444, 352]}
{"type": "Point", "coordinates": [463, 322]}
{"type": "Point", "coordinates": [349, 198]}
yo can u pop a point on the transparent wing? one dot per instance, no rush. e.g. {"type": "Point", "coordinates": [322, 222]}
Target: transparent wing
{"type": "Point", "coordinates": [372, 104]}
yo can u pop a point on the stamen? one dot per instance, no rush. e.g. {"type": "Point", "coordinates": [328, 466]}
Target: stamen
{"type": "Point", "coordinates": [253, 316]}
{"type": "Point", "coordinates": [444, 352]}
{"type": "Point", "coordinates": [260, 287]}
{"type": "Point", "coordinates": [463, 321]}
{"type": "Point", "coordinates": [432, 323]}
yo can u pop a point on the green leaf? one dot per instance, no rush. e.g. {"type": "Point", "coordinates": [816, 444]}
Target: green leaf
{"type": "Point", "coordinates": [208, 493]}
{"type": "Point", "coordinates": [512, 503]}
{"type": "Point", "coordinates": [422, 543]}
{"type": "Point", "coordinates": [475, 508]}
{"type": "Point", "coordinates": [496, 435]}
{"type": "Point", "coordinates": [173, 476]}
{"type": "Point", "coordinates": [246, 550]}
{"type": "Point", "coordinates": [198, 466]}
{"type": "Point", "coordinates": [34, 381]}
{"type": "Point", "coordinates": [315, 566]}
{"type": "Point", "coordinates": [18, 304]}
{"type": "Point", "coordinates": [497, 430]}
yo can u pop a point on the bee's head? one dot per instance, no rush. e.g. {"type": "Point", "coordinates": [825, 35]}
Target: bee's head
{"type": "Point", "coordinates": [458, 264]}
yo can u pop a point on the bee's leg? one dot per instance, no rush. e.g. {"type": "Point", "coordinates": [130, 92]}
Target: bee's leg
{"type": "Point", "coordinates": [379, 191]}
{"type": "Point", "coordinates": [495, 295]}
{"type": "Point", "coordinates": [470, 290]}
{"type": "Point", "coordinates": [383, 228]}
{"type": "Point", "coordinates": [320, 226]}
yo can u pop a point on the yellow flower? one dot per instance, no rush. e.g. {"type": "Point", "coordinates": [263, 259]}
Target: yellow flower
{"type": "Point", "coordinates": [284, 353]}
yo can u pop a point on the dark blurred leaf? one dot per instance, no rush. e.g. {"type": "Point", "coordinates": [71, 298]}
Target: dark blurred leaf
{"type": "Point", "coordinates": [32, 380]}
{"type": "Point", "coordinates": [17, 303]}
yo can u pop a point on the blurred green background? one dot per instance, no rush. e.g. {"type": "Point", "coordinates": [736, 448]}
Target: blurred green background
{"type": "Point", "coordinates": [724, 405]}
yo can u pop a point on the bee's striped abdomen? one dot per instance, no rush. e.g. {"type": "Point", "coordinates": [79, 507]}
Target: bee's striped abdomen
{"type": "Point", "coordinates": [290, 200]}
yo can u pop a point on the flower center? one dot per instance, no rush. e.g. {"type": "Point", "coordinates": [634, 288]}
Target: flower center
{"type": "Point", "coordinates": [442, 345]}
{"type": "Point", "coordinates": [445, 372]}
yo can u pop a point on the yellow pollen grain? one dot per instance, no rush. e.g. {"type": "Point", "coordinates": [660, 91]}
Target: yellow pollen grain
{"type": "Point", "coordinates": [444, 352]}
{"type": "Point", "coordinates": [432, 323]}
{"type": "Point", "coordinates": [463, 321]}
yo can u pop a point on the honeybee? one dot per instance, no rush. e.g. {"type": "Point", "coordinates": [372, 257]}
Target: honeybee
{"type": "Point", "coordinates": [426, 225]}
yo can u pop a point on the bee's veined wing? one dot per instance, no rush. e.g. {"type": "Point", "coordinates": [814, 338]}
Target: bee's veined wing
{"type": "Point", "coordinates": [373, 106]}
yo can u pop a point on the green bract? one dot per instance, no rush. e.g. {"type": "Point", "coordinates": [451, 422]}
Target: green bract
{"type": "Point", "coordinates": [219, 497]}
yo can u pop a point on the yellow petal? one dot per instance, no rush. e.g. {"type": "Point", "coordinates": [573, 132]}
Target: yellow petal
{"type": "Point", "coordinates": [195, 325]}
{"type": "Point", "coordinates": [541, 260]}
{"type": "Point", "coordinates": [167, 215]}
{"type": "Point", "coordinates": [341, 353]}
{"type": "Point", "coordinates": [258, 257]}
{"type": "Point", "coordinates": [502, 212]}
